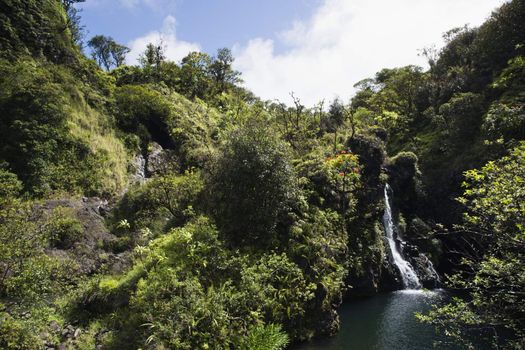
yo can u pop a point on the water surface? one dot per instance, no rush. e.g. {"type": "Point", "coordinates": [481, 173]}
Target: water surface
{"type": "Point", "coordinates": [384, 322]}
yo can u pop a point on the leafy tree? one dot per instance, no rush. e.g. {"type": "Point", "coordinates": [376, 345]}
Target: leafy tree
{"type": "Point", "coordinates": [153, 55]}
{"type": "Point", "coordinates": [100, 46]}
{"type": "Point", "coordinates": [73, 21]}
{"type": "Point", "coordinates": [194, 79]}
{"type": "Point", "coordinates": [335, 117]}
{"type": "Point", "coordinates": [152, 60]}
{"type": "Point", "coordinates": [297, 124]}
{"type": "Point", "coordinates": [118, 53]}
{"type": "Point", "coordinates": [252, 185]}
{"type": "Point", "coordinates": [107, 52]}
{"type": "Point", "coordinates": [221, 70]}
{"type": "Point", "coordinates": [494, 276]}
{"type": "Point", "coordinates": [396, 91]}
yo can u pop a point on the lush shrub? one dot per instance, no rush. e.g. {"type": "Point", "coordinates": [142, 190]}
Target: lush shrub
{"type": "Point", "coordinates": [462, 118]}
{"type": "Point", "coordinates": [21, 245]}
{"type": "Point", "coordinates": [265, 337]}
{"type": "Point", "coordinates": [183, 299]}
{"type": "Point", "coordinates": [505, 118]}
{"type": "Point", "coordinates": [136, 105]}
{"type": "Point", "coordinates": [16, 335]}
{"type": "Point", "coordinates": [10, 186]}
{"type": "Point", "coordinates": [169, 197]}
{"type": "Point", "coordinates": [63, 227]}
{"type": "Point", "coordinates": [180, 313]}
{"type": "Point", "coordinates": [319, 244]}
{"type": "Point", "coordinates": [252, 185]}
{"type": "Point", "coordinates": [279, 291]}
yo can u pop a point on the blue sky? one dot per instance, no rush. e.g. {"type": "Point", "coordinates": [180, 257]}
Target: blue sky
{"type": "Point", "coordinates": [317, 49]}
{"type": "Point", "coordinates": [211, 23]}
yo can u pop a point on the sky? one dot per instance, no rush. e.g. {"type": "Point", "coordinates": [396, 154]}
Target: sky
{"type": "Point", "coordinates": [317, 49]}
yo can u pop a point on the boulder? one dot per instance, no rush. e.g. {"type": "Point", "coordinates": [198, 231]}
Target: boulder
{"type": "Point", "coordinates": [161, 161]}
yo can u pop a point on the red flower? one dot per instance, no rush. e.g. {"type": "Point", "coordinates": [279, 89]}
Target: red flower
{"type": "Point", "coordinates": [341, 174]}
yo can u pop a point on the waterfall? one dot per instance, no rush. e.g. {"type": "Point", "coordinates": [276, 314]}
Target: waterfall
{"type": "Point", "coordinates": [408, 275]}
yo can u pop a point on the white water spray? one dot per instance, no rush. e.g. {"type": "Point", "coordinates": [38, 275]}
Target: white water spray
{"type": "Point", "coordinates": [408, 275]}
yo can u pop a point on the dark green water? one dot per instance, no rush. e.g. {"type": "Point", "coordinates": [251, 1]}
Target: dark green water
{"type": "Point", "coordinates": [384, 322]}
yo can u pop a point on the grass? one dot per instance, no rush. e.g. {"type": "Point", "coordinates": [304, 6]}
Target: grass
{"type": "Point", "coordinates": [93, 128]}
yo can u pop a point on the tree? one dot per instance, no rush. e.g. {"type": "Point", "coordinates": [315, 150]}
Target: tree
{"type": "Point", "coordinates": [297, 124]}
{"type": "Point", "coordinates": [118, 53]}
{"type": "Point", "coordinates": [195, 81]}
{"type": "Point", "coordinates": [68, 4]}
{"type": "Point", "coordinates": [152, 60]}
{"type": "Point", "coordinates": [73, 21]}
{"type": "Point", "coordinates": [252, 185]}
{"type": "Point", "coordinates": [101, 51]}
{"type": "Point", "coordinates": [221, 70]}
{"type": "Point", "coordinates": [107, 52]}
{"type": "Point", "coordinates": [153, 55]}
{"type": "Point", "coordinates": [334, 118]}
{"type": "Point", "coordinates": [494, 267]}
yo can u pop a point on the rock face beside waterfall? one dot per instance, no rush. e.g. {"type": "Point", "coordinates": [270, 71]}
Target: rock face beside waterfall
{"type": "Point", "coordinates": [378, 272]}
{"type": "Point", "coordinates": [428, 276]}
{"type": "Point", "coordinates": [423, 267]}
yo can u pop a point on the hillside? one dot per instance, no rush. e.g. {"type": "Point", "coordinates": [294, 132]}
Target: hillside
{"type": "Point", "coordinates": [164, 206]}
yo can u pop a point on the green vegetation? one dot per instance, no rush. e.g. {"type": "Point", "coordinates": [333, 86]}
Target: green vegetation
{"type": "Point", "coordinates": [495, 219]}
{"type": "Point", "coordinates": [163, 206]}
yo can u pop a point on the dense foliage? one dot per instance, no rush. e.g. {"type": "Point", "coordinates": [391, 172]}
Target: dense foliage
{"type": "Point", "coordinates": [495, 275]}
{"type": "Point", "coordinates": [163, 206]}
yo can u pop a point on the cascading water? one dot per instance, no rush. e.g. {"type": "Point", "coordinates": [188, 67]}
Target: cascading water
{"type": "Point", "coordinates": [408, 275]}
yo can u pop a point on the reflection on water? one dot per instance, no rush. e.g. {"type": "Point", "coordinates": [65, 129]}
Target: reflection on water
{"type": "Point", "coordinates": [384, 322]}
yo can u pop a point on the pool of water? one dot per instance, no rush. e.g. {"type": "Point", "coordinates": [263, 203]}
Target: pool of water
{"type": "Point", "coordinates": [384, 322]}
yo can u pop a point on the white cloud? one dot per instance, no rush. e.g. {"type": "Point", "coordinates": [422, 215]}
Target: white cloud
{"type": "Point", "coordinates": [154, 4]}
{"type": "Point", "coordinates": [349, 40]}
{"type": "Point", "coordinates": [129, 3]}
{"type": "Point", "coordinates": [175, 49]}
